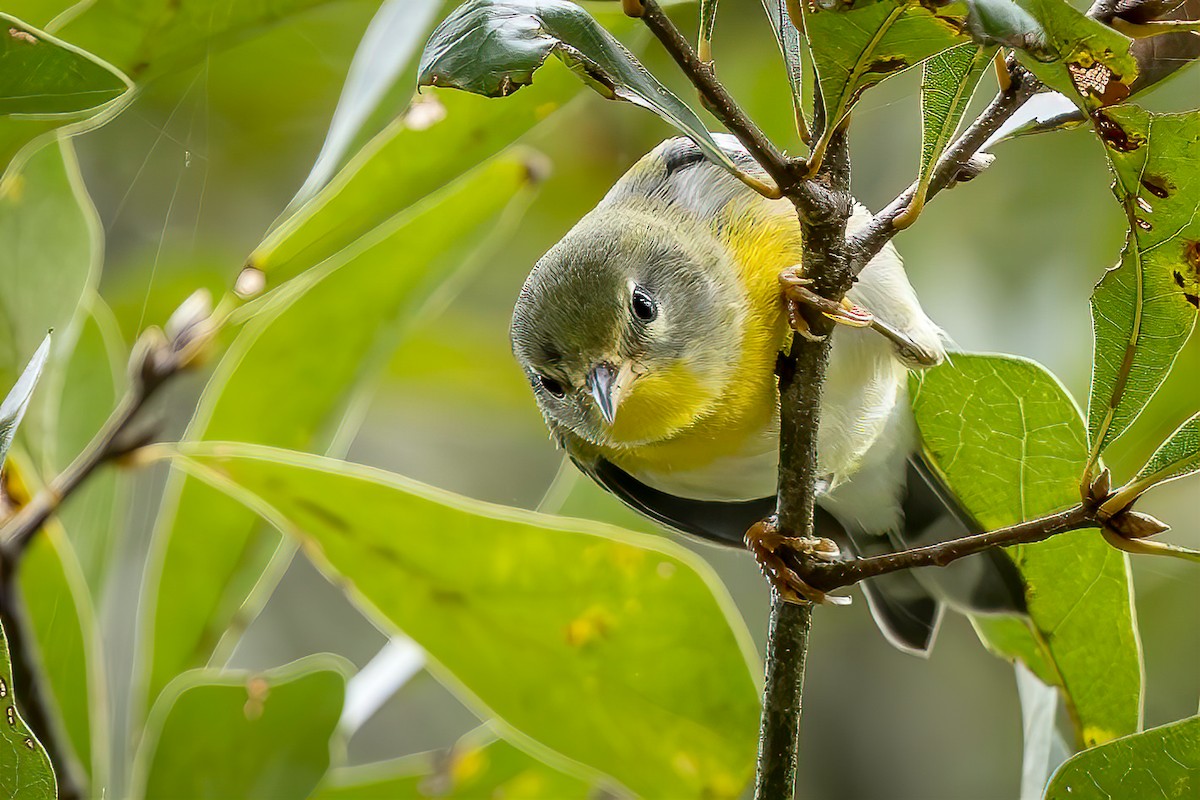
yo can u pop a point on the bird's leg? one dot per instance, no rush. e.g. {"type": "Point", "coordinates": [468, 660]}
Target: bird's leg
{"type": "Point", "coordinates": [765, 542]}
{"type": "Point", "coordinates": [796, 293]}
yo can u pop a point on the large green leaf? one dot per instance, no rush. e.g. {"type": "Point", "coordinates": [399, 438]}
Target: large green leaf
{"type": "Point", "coordinates": [50, 234]}
{"type": "Point", "coordinates": [378, 70]}
{"type": "Point", "coordinates": [47, 84]}
{"type": "Point", "coordinates": [1144, 309]}
{"type": "Point", "coordinates": [1160, 764]}
{"type": "Point", "coordinates": [404, 163]}
{"type": "Point", "coordinates": [618, 650]}
{"type": "Point", "coordinates": [493, 47]}
{"type": "Point", "coordinates": [1084, 59]}
{"type": "Point", "coordinates": [948, 81]}
{"type": "Point", "coordinates": [149, 37]}
{"type": "Point", "coordinates": [855, 49]}
{"type": "Point", "coordinates": [224, 735]}
{"type": "Point", "coordinates": [1011, 444]}
{"type": "Point", "coordinates": [477, 766]}
{"type": "Point", "coordinates": [25, 770]}
{"type": "Point", "coordinates": [16, 402]}
{"type": "Point", "coordinates": [287, 380]}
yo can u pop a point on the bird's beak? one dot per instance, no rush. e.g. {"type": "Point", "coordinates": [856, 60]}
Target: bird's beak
{"type": "Point", "coordinates": [609, 386]}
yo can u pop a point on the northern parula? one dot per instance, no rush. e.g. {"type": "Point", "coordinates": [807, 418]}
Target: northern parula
{"type": "Point", "coordinates": [650, 335]}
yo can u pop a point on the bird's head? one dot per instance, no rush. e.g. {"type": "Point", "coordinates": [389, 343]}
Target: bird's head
{"type": "Point", "coordinates": [629, 328]}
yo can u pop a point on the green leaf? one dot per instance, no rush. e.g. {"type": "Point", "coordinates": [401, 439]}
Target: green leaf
{"type": "Point", "coordinates": [47, 84]}
{"type": "Point", "coordinates": [708, 20]}
{"type": "Point", "coordinates": [1144, 309]}
{"type": "Point", "coordinates": [855, 49]}
{"type": "Point", "coordinates": [948, 82]}
{"type": "Point", "coordinates": [479, 765]}
{"type": "Point", "coordinates": [25, 770]}
{"type": "Point", "coordinates": [222, 735]}
{"type": "Point", "coordinates": [1084, 59]}
{"type": "Point", "coordinates": [214, 551]}
{"type": "Point", "coordinates": [51, 237]}
{"type": "Point", "coordinates": [388, 45]}
{"type": "Point", "coordinates": [1175, 458]}
{"type": "Point", "coordinates": [12, 409]}
{"type": "Point", "coordinates": [400, 166]}
{"type": "Point", "coordinates": [1011, 444]}
{"type": "Point", "coordinates": [618, 650]}
{"type": "Point", "coordinates": [147, 38]}
{"type": "Point", "coordinates": [788, 39]}
{"type": "Point", "coordinates": [1160, 764]}
{"type": "Point", "coordinates": [493, 47]}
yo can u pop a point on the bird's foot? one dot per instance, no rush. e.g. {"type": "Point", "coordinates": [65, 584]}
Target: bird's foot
{"type": "Point", "coordinates": [796, 293]}
{"type": "Point", "coordinates": [767, 544]}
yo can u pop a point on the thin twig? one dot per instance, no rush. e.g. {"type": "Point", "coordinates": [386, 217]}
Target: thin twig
{"type": "Point", "coordinates": [867, 244]}
{"type": "Point", "coordinates": [827, 576]}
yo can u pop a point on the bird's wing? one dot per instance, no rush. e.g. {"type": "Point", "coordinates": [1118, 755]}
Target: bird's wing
{"type": "Point", "coordinates": [907, 614]}
{"type": "Point", "coordinates": [987, 583]}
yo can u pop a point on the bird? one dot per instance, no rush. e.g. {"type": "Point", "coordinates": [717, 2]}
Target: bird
{"type": "Point", "coordinates": [650, 336]}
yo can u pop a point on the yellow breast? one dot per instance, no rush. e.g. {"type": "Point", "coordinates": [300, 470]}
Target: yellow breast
{"type": "Point", "coordinates": [762, 240]}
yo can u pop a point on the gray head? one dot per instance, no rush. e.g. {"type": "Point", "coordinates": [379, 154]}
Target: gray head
{"type": "Point", "coordinates": [628, 327]}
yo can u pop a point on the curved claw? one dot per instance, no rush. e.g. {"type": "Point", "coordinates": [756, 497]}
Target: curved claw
{"type": "Point", "coordinates": [764, 540]}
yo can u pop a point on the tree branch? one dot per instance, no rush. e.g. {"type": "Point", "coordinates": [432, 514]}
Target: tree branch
{"type": "Point", "coordinates": [156, 359]}
{"type": "Point", "coordinates": [802, 375]}
{"type": "Point", "coordinates": [827, 576]}
{"type": "Point", "coordinates": [867, 244]}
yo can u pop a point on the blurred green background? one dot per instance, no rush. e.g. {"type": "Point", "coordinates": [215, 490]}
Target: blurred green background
{"type": "Point", "coordinates": [190, 177]}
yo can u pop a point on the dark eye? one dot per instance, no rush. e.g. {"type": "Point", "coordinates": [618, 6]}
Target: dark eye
{"type": "Point", "coordinates": [552, 386]}
{"type": "Point", "coordinates": [643, 305]}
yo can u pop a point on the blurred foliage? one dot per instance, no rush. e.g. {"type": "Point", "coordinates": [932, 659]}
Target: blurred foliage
{"type": "Point", "coordinates": [371, 325]}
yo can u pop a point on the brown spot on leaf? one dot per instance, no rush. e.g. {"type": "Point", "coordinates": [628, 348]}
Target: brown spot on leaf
{"type": "Point", "coordinates": [1191, 255]}
{"type": "Point", "coordinates": [1114, 135]}
{"type": "Point", "coordinates": [1193, 299]}
{"type": "Point", "coordinates": [887, 65]}
{"type": "Point", "coordinates": [1178, 279]}
{"type": "Point", "coordinates": [1097, 80]}
{"type": "Point", "coordinates": [1157, 186]}
{"type": "Point", "coordinates": [323, 514]}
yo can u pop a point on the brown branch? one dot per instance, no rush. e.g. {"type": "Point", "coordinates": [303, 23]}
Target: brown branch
{"type": "Point", "coordinates": [827, 576]}
{"type": "Point", "coordinates": [957, 159]}
{"type": "Point", "coordinates": [802, 375]}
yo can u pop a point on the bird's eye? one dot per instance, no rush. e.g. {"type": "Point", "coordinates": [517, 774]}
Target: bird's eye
{"type": "Point", "coordinates": [643, 305]}
{"type": "Point", "coordinates": [552, 386]}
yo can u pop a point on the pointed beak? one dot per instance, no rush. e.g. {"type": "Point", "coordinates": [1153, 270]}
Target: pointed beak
{"type": "Point", "coordinates": [602, 382]}
{"type": "Point", "coordinates": [609, 385]}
